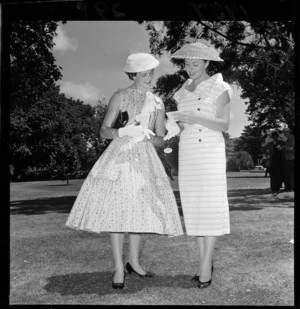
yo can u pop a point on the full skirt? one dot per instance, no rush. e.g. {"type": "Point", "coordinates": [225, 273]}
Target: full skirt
{"type": "Point", "coordinates": [127, 190]}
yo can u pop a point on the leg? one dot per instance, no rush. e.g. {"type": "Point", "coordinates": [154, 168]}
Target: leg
{"type": "Point", "coordinates": [272, 177]}
{"type": "Point", "coordinates": [209, 244]}
{"type": "Point", "coordinates": [275, 176]}
{"type": "Point", "coordinates": [134, 246]}
{"type": "Point", "coordinates": [200, 240]}
{"type": "Point", "coordinates": [117, 240]}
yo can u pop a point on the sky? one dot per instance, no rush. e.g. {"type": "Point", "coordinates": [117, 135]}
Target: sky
{"type": "Point", "coordinates": [93, 53]}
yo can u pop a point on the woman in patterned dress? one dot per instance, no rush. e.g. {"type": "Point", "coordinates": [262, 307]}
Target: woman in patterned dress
{"type": "Point", "coordinates": [128, 190]}
{"type": "Point", "coordinates": [204, 102]}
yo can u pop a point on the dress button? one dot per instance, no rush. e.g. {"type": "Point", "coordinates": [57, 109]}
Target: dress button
{"type": "Point", "coordinates": [199, 139]}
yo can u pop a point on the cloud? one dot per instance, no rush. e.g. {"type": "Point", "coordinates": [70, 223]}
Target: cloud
{"type": "Point", "coordinates": [63, 43]}
{"type": "Point", "coordinates": [82, 91]}
{"type": "Point", "coordinates": [166, 65]}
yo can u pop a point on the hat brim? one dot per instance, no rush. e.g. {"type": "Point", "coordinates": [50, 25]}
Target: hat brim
{"type": "Point", "coordinates": [129, 69]}
{"type": "Point", "coordinates": [197, 58]}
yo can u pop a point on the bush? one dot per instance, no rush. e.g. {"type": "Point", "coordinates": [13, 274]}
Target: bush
{"type": "Point", "coordinates": [245, 159]}
{"type": "Point", "coordinates": [232, 165]}
{"type": "Point", "coordinates": [240, 160]}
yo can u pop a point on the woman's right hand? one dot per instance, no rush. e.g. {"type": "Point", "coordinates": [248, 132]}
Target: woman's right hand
{"type": "Point", "coordinates": [132, 130]}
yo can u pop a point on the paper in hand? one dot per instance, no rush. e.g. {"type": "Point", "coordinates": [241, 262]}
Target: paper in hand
{"type": "Point", "coordinates": [176, 113]}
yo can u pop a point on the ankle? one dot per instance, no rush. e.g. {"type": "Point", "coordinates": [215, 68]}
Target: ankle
{"type": "Point", "coordinates": [119, 268]}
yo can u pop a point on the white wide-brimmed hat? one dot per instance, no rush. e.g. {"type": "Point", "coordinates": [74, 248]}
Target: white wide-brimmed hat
{"type": "Point", "coordinates": [197, 50]}
{"type": "Point", "coordinates": [140, 62]}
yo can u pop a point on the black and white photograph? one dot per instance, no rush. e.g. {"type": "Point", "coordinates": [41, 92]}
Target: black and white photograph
{"type": "Point", "coordinates": [149, 159]}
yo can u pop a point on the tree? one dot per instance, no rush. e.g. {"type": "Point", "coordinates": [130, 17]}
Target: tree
{"type": "Point", "coordinates": [32, 64]}
{"type": "Point", "coordinates": [250, 141]}
{"type": "Point", "coordinates": [240, 160]}
{"type": "Point", "coordinates": [64, 161]}
{"type": "Point", "coordinates": [49, 128]}
{"type": "Point", "coordinates": [258, 57]}
{"type": "Point", "coordinates": [33, 71]}
{"type": "Point", "coordinates": [46, 127]}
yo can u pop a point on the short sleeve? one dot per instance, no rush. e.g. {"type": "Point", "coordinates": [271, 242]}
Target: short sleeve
{"type": "Point", "coordinates": [229, 89]}
{"type": "Point", "coordinates": [177, 95]}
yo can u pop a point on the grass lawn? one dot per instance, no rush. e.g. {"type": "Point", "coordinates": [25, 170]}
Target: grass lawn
{"type": "Point", "coordinates": [52, 264]}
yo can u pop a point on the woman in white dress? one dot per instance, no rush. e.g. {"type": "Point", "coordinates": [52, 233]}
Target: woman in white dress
{"type": "Point", "coordinates": [127, 189]}
{"type": "Point", "coordinates": [203, 101]}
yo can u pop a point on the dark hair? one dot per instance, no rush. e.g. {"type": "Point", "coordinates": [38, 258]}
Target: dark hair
{"type": "Point", "coordinates": [205, 60]}
{"type": "Point", "coordinates": [130, 75]}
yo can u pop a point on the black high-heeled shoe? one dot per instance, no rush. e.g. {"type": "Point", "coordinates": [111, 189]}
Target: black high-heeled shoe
{"type": "Point", "coordinates": [131, 270]}
{"type": "Point", "coordinates": [195, 278]}
{"type": "Point", "coordinates": [202, 285]}
{"type": "Point", "coordinates": [118, 285]}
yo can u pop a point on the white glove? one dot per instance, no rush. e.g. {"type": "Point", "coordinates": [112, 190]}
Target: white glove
{"type": "Point", "coordinates": [172, 127]}
{"type": "Point", "coordinates": [131, 130]}
{"type": "Point", "coordinates": [143, 119]}
{"type": "Point", "coordinates": [146, 132]}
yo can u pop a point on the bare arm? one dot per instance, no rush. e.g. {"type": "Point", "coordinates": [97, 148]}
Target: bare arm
{"type": "Point", "coordinates": [159, 129]}
{"type": "Point", "coordinates": [110, 117]}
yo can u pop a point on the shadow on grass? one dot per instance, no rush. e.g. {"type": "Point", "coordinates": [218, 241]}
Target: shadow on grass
{"type": "Point", "coordinates": [54, 204]}
{"type": "Point", "coordinates": [43, 205]}
{"type": "Point", "coordinates": [256, 199]}
{"type": "Point", "coordinates": [246, 192]}
{"type": "Point", "coordinates": [246, 176]}
{"type": "Point", "coordinates": [58, 185]}
{"type": "Point", "coordinates": [239, 199]}
{"type": "Point", "coordinates": [100, 283]}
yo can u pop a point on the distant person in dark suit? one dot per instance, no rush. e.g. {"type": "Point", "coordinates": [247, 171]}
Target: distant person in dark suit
{"type": "Point", "coordinates": [273, 146]}
{"type": "Point", "coordinates": [288, 159]}
{"type": "Point", "coordinates": [266, 164]}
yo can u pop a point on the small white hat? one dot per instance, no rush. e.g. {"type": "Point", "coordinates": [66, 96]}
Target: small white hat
{"type": "Point", "coordinates": [197, 50]}
{"type": "Point", "coordinates": [140, 62]}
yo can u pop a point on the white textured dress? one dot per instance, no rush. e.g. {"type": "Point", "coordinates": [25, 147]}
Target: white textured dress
{"type": "Point", "coordinates": [128, 190]}
{"type": "Point", "coordinates": [202, 162]}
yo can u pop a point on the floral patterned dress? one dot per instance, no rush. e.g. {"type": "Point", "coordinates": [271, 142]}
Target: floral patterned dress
{"type": "Point", "coordinates": [127, 190]}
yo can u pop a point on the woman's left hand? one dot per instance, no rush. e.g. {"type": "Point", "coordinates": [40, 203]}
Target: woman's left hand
{"type": "Point", "coordinates": [146, 139]}
{"type": "Point", "coordinates": [188, 117]}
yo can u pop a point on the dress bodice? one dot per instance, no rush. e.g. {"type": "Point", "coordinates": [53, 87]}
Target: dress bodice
{"type": "Point", "coordinates": [133, 101]}
{"type": "Point", "coordinates": [204, 96]}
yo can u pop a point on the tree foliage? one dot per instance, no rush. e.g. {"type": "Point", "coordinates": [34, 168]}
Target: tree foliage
{"type": "Point", "coordinates": [32, 64]}
{"type": "Point", "coordinates": [250, 141]}
{"type": "Point", "coordinates": [56, 130]}
{"type": "Point", "coordinates": [258, 57]}
{"type": "Point", "coordinates": [48, 132]}
{"type": "Point", "coordinates": [240, 160]}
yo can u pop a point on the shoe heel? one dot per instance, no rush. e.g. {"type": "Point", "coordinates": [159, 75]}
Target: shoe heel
{"type": "Point", "coordinates": [203, 285]}
{"type": "Point", "coordinates": [129, 268]}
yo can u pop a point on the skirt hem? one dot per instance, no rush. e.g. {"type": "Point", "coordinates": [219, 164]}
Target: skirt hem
{"type": "Point", "coordinates": [138, 232]}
